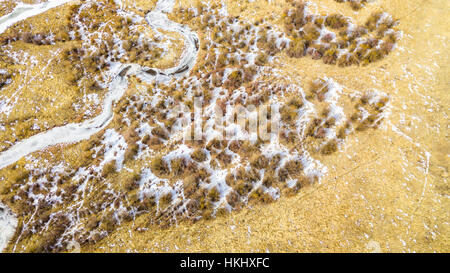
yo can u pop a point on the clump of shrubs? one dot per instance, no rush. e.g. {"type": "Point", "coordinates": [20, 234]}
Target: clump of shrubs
{"type": "Point", "coordinates": [330, 147]}
{"type": "Point", "coordinates": [199, 155]}
{"type": "Point", "coordinates": [159, 166]}
{"type": "Point", "coordinates": [109, 168]}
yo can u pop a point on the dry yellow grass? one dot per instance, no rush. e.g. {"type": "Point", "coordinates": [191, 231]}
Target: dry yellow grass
{"type": "Point", "coordinates": [388, 187]}
{"type": "Point", "coordinates": [384, 190]}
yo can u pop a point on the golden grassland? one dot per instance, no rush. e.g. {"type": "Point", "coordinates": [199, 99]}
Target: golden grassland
{"type": "Point", "coordinates": [382, 187]}
{"type": "Point", "coordinates": [382, 190]}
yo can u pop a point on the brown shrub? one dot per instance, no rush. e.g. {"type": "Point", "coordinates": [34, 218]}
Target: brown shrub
{"type": "Point", "coordinates": [132, 182]}
{"type": "Point", "coordinates": [258, 195]}
{"type": "Point", "coordinates": [159, 166]}
{"type": "Point", "coordinates": [330, 147]}
{"type": "Point", "coordinates": [190, 185]}
{"type": "Point", "coordinates": [259, 161]}
{"type": "Point", "coordinates": [160, 132]}
{"type": "Point", "coordinates": [165, 200]}
{"type": "Point", "coordinates": [213, 195]}
{"type": "Point", "coordinates": [109, 168]}
{"type": "Point", "coordinates": [199, 155]}
{"type": "Point", "coordinates": [131, 152]}
{"type": "Point", "coordinates": [233, 199]}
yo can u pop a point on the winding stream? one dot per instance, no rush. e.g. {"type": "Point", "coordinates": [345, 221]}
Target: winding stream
{"type": "Point", "coordinates": [74, 132]}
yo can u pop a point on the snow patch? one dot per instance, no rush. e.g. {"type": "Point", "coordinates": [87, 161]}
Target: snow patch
{"type": "Point", "coordinates": [8, 224]}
